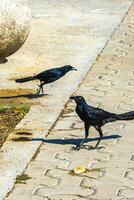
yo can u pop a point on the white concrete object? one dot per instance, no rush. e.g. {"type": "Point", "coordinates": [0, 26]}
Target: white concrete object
{"type": "Point", "coordinates": [14, 26]}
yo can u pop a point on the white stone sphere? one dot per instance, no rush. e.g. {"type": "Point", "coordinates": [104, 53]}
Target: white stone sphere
{"type": "Point", "coordinates": [14, 26]}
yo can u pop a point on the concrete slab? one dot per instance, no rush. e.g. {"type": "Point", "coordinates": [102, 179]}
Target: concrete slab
{"type": "Point", "coordinates": [111, 171]}
{"type": "Point", "coordinates": [62, 32]}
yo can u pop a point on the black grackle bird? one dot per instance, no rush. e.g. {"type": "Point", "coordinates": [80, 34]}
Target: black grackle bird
{"type": "Point", "coordinates": [47, 76]}
{"type": "Point", "coordinates": [96, 117]}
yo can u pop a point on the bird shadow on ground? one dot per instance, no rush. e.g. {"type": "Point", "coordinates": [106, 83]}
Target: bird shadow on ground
{"type": "Point", "coordinates": [29, 96]}
{"type": "Point", "coordinates": [74, 141]}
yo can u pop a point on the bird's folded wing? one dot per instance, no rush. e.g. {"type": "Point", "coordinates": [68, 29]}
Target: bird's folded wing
{"type": "Point", "coordinates": [51, 73]}
{"type": "Point", "coordinates": [99, 114]}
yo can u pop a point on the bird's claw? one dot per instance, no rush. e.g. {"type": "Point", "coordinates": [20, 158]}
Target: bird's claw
{"type": "Point", "coordinates": [76, 148]}
{"type": "Point", "coordinates": [102, 147]}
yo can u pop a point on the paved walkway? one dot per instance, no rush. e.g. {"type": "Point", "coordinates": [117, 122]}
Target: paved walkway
{"type": "Point", "coordinates": [110, 85]}
{"type": "Point", "coordinates": [62, 32]}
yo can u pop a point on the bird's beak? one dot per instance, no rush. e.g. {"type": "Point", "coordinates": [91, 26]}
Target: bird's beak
{"type": "Point", "coordinates": [74, 69]}
{"type": "Point", "coordinates": [72, 97]}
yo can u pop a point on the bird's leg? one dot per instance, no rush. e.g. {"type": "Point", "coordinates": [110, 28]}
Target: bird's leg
{"type": "Point", "coordinates": [40, 88]}
{"type": "Point", "coordinates": [87, 126]}
{"type": "Point", "coordinates": [80, 144]}
{"type": "Point", "coordinates": [101, 134]}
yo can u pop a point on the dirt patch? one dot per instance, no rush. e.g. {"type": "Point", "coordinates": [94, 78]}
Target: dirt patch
{"type": "Point", "coordinates": [21, 179]}
{"type": "Point", "coordinates": [21, 139]}
{"type": "Point", "coordinates": [23, 133]}
{"type": "Point", "coordinates": [10, 116]}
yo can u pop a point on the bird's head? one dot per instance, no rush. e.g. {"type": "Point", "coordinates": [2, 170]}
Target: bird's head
{"type": "Point", "coordinates": [69, 68]}
{"type": "Point", "coordinates": [78, 99]}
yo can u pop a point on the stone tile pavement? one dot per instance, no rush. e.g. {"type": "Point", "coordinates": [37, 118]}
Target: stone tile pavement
{"type": "Point", "coordinates": [109, 84]}
{"type": "Point", "coordinates": [62, 32]}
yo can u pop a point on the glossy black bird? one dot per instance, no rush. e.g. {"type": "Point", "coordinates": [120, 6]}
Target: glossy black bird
{"type": "Point", "coordinates": [47, 76]}
{"type": "Point", "coordinates": [96, 117]}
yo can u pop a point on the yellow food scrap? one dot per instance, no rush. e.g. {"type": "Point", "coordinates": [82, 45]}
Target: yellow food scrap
{"type": "Point", "coordinates": [79, 169]}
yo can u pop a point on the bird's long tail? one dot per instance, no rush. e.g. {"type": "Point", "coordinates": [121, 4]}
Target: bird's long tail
{"type": "Point", "coordinates": [123, 116]}
{"type": "Point", "coordinates": [127, 116]}
{"type": "Point", "coordinates": [22, 80]}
